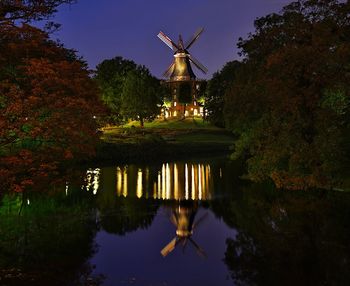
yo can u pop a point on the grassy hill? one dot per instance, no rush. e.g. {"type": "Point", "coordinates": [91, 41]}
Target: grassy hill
{"type": "Point", "coordinates": [159, 139]}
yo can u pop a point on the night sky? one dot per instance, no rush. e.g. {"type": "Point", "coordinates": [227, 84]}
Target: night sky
{"type": "Point", "coordinates": [107, 28]}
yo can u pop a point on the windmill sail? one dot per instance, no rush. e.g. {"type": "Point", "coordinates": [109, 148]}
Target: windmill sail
{"type": "Point", "coordinates": [180, 69]}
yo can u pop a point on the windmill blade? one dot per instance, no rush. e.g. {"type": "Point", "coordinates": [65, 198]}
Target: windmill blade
{"type": "Point", "coordinates": [200, 220]}
{"type": "Point", "coordinates": [198, 64]}
{"type": "Point", "coordinates": [169, 247]}
{"type": "Point", "coordinates": [184, 243]}
{"type": "Point", "coordinates": [200, 251]}
{"type": "Point", "coordinates": [194, 38]}
{"type": "Point", "coordinates": [181, 43]}
{"type": "Point", "coordinates": [168, 72]}
{"type": "Point", "coordinates": [167, 41]}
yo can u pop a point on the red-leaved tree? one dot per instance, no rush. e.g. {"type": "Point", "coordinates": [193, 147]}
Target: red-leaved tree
{"type": "Point", "coordinates": [48, 105]}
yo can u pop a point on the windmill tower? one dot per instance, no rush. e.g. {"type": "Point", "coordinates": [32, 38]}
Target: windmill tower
{"type": "Point", "coordinates": [183, 219]}
{"type": "Point", "coordinates": [180, 74]}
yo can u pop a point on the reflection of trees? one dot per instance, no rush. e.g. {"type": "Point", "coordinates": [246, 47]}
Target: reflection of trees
{"type": "Point", "coordinates": [121, 215]}
{"type": "Point", "coordinates": [49, 243]}
{"type": "Point", "coordinates": [288, 238]}
{"type": "Point", "coordinates": [127, 215]}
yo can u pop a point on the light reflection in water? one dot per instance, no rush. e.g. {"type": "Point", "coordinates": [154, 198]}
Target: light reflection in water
{"type": "Point", "coordinates": [172, 181]}
{"type": "Point", "coordinates": [92, 180]}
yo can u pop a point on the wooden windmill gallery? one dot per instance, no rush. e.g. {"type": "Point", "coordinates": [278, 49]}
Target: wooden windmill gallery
{"type": "Point", "coordinates": [184, 87]}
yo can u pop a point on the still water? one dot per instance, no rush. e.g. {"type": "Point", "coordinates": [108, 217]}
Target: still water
{"type": "Point", "coordinates": [192, 222]}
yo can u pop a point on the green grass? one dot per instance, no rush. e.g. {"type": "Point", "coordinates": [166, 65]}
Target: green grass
{"type": "Point", "coordinates": [188, 123]}
{"type": "Point", "coordinates": [174, 131]}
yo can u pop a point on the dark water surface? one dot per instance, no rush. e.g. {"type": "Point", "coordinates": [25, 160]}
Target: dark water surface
{"type": "Point", "coordinates": [191, 222]}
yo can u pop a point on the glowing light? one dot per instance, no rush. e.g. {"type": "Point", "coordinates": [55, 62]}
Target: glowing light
{"type": "Point", "coordinates": [159, 185]}
{"type": "Point", "coordinates": [176, 183]}
{"type": "Point", "coordinates": [168, 182]}
{"type": "Point", "coordinates": [125, 182]}
{"type": "Point", "coordinates": [154, 190]}
{"type": "Point", "coordinates": [92, 180]}
{"type": "Point", "coordinates": [163, 182]}
{"type": "Point", "coordinates": [203, 182]}
{"type": "Point", "coordinates": [186, 182]}
{"type": "Point", "coordinates": [119, 181]}
{"type": "Point", "coordinates": [193, 189]}
{"type": "Point", "coordinates": [139, 184]}
{"type": "Point", "coordinates": [67, 187]}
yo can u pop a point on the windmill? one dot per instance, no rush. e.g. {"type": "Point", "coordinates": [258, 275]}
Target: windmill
{"type": "Point", "coordinates": [180, 69]}
{"type": "Point", "coordinates": [183, 219]}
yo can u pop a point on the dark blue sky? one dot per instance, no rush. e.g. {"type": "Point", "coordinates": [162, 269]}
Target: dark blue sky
{"type": "Point", "coordinates": [102, 29]}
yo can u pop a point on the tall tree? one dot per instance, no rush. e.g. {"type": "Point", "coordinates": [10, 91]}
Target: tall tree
{"type": "Point", "coordinates": [290, 102]}
{"type": "Point", "coordinates": [110, 76]}
{"type": "Point", "coordinates": [215, 92]}
{"type": "Point", "coordinates": [47, 106]}
{"type": "Point", "coordinates": [142, 95]}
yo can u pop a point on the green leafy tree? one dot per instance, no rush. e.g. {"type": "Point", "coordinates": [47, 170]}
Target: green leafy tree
{"type": "Point", "coordinates": [289, 101]}
{"type": "Point", "coordinates": [215, 92]}
{"type": "Point", "coordinates": [110, 76]}
{"type": "Point", "coordinates": [142, 95]}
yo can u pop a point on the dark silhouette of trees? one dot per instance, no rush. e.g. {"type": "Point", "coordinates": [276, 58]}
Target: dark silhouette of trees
{"type": "Point", "coordinates": [215, 92]}
{"type": "Point", "coordinates": [29, 10]}
{"type": "Point", "coordinates": [290, 238]}
{"type": "Point", "coordinates": [142, 95]}
{"type": "Point", "coordinates": [289, 103]}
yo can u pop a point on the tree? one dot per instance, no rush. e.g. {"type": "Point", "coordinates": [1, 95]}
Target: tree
{"type": "Point", "coordinates": [28, 10]}
{"type": "Point", "coordinates": [142, 95]}
{"type": "Point", "coordinates": [47, 106]}
{"type": "Point", "coordinates": [289, 103]}
{"type": "Point", "coordinates": [215, 93]}
{"type": "Point", "coordinates": [110, 76]}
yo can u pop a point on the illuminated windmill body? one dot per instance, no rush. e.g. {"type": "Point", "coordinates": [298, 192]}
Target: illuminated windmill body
{"type": "Point", "coordinates": [180, 72]}
{"type": "Point", "coordinates": [183, 219]}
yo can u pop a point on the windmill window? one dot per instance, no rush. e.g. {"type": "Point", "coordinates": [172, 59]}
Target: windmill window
{"type": "Point", "coordinates": [175, 103]}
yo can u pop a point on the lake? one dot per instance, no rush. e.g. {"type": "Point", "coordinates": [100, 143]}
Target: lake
{"type": "Point", "coordinates": [187, 222]}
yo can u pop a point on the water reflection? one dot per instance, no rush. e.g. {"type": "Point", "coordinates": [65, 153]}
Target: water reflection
{"type": "Point", "coordinates": [136, 214]}
{"type": "Point", "coordinates": [92, 180]}
{"type": "Point", "coordinates": [169, 181]}
{"type": "Point", "coordinates": [183, 217]}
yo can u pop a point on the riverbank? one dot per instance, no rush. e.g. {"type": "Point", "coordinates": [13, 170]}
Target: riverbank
{"type": "Point", "coordinates": [161, 140]}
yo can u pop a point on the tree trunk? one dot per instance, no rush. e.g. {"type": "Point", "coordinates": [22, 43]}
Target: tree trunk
{"type": "Point", "coordinates": [141, 122]}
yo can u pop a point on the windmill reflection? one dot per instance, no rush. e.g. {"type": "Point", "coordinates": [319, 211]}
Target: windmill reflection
{"type": "Point", "coordinates": [183, 217]}
{"type": "Point", "coordinates": [184, 185]}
